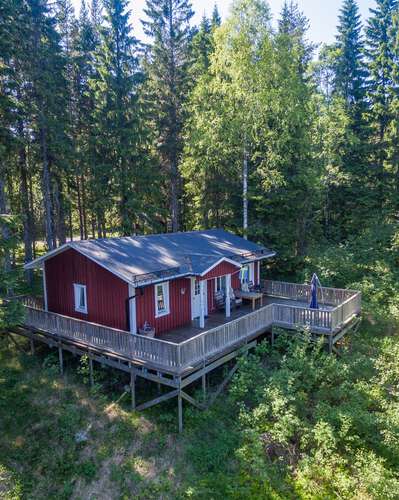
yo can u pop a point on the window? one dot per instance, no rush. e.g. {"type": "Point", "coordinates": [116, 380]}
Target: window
{"type": "Point", "coordinates": [247, 274]}
{"type": "Point", "coordinates": [80, 298]}
{"type": "Point", "coordinates": [197, 288]}
{"type": "Point", "coordinates": [221, 284]}
{"type": "Point", "coordinates": [244, 274]}
{"type": "Point", "coordinates": [162, 299]}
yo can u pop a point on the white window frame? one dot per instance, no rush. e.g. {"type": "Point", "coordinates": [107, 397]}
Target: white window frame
{"type": "Point", "coordinates": [165, 288]}
{"type": "Point", "coordinates": [251, 273]}
{"type": "Point", "coordinates": [219, 279]}
{"type": "Point", "coordinates": [76, 292]}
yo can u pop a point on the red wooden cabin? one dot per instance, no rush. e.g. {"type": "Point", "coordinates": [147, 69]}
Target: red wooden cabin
{"type": "Point", "coordinates": [165, 280]}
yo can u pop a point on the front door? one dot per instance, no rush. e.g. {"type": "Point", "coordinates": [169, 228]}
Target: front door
{"type": "Point", "coordinates": [196, 299]}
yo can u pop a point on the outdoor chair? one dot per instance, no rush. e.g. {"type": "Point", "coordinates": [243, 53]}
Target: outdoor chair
{"type": "Point", "coordinates": [235, 300]}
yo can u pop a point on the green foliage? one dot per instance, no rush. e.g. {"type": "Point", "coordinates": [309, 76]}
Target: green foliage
{"type": "Point", "coordinates": [322, 419]}
{"type": "Point", "coordinates": [11, 311]}
{"type": "Point", "coordinates": [168, 81]}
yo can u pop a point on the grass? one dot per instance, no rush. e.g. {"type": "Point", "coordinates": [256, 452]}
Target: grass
{"type": "Point", "coordinates": [60, 440]}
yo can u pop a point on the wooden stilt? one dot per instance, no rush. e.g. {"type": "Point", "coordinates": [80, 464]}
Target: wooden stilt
{"type": "Point", "coordinates": [32, 347]}
{"type": "Point", "coordinates": [133, 388]}
{"type": "Point", "coordinates": [180, 411]}
{"type": "Point", "coordinates": [330, 344]}
{"type": "Point", "coordinates": [272, 337]}
{"type": "Point", "coordinates": [204, 386]}
{"type": "Point", "coordinates": [91, 371]}
{"type": "Point", "coordinates": [158, 384]}
{"type": "Point", "coordinates": [60, 357]}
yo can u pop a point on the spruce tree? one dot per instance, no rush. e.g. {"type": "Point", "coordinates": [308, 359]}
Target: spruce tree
{"type": "Point", "coordinates": [350, 69]}
{"type": "Point", "coordinates": [202, 47]}
{"type": "Point", "coordinates": [345, 137]}
{"type": "Point", "coordinates": [120, 161]}
{"type": "Point", "coordinates": [381, 89]}
{"type": "Point", "coordinates": [216, 20]}
{"type": "Point", "coordinates": [43, 68]}
{"type": "Point", "coordinates": [168, 28]}
{"type": "Point", "coordinates": [84, 45]}
{"type": "Point", "coordinates": [294, 25]}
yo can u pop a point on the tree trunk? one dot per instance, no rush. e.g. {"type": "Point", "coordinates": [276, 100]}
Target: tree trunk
{"type": "Point", "coordinates": [174, 202]}
{"type": "Point", "coordinates": [80, 207]}
{"type": "Point", "coordinates": [60, 211]}
{"type": "Point", "coordinates": [46, 180]}
{"type": "Point", "coordinates": [245, 192]}
{"type": "Point", "coordinates": [84, 207]}
{"type": "Point", "coordinates": [25, 204]}
{"type": "Point", "coordinates": [31, 211]}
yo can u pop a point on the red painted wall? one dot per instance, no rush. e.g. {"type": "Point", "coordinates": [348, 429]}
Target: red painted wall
{"type": "Point", "coordinates": [210, 287]}
{"type": "Point", "coordinates": [179, 304]}
{"type": "Point", "coordinates": [221, 270]}
{"type": "Point", "coordinates": [106, 293]}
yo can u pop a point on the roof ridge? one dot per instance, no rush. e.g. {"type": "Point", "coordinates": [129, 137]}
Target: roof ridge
{"type": "Point", "coordinates": [198, 231]}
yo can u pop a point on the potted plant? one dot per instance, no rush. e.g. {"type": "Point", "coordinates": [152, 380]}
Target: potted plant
{"type": "Point", "coordinates": [147, 330]}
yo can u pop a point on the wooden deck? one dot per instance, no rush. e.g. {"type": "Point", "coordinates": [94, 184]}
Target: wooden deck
{"type": "Point", "coordinates": [180, 357]}
{"type": "Point", "coordinates": [180, 351]}
{"type": "Point", "coordinates": [217, 319]}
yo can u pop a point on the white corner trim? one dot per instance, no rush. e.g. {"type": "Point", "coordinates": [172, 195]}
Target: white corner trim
{"type": "Point", "coordinates": [132, 310]}
{"type": "Point", "coordinates": [45, 301]}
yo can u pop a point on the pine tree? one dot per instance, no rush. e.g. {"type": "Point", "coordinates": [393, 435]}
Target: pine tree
{"type": "Point", "coordinates": [350, 69]}
{"type": "Point", "coordinates": [84, 45]}
{"type": "Point", "coordinates": [294, 25]}
{"type": "Point", "coordinates": [43, 68]}
{"type": "Point", "coordinates": [216, 20]}
{"type": "Point", "coordinates": [345, 151]}
{"type": "Point", "coordinates": [381, 89]}
{"type": "Point", "coordinates": [203, 45]}
{"type": "Point", "coordinates": [120, 161]}
{"type": "Point", "coordinates": [168, 27]}
{"type": "Point", "coordinates": [11, 312]}
{"type": "Point", "coordinates": [393, 130]}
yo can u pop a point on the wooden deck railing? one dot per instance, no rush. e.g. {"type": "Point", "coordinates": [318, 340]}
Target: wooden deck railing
{"type": "Point", "coordinates": [156, 351]}
{"type": "Point", "coordinates": [301, 292]}
{"type": "Point", "coordinates": [175, 357]}
{"type": "Point", "coordinates": [211, 342]}
{"type": "Point", "coordinates": [347, 304]}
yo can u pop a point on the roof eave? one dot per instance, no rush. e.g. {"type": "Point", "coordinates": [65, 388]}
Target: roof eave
{"type": "Point", "coordinates": [261, 257]}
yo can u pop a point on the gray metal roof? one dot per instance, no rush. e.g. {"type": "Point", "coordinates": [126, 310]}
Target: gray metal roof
{"type": "Point", "coordinates": [141, 259]}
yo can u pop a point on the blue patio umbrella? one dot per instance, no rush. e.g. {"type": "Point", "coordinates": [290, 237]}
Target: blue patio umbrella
{"type": "Point", "coordinates": [314, 304]}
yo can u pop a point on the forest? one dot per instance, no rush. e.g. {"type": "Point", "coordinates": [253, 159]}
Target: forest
{"type": "Point", "coordinates": [244, 124]}
{"type": "Point", "coordinates": [105, 135]}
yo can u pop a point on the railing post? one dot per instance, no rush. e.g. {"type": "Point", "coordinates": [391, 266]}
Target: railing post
{"type": "Point", "coordinates": [178, 356]}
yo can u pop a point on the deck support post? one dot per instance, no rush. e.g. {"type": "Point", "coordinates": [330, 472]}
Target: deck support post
{"type": "Point", "coordinates": [204, 386]}
{"type": "Point", "coordinates": [133, 388]}
{"type": "Point", "coordinates": [272, 336]}
{"type": "Point", "coordinates": [158, 384]}
{"type": "Point", "coordinates": [180, 406]}
{"type": "Point", "coordinates": [91, 371]}
{"type": "Point", "coordinates": [32, 347]}
{"type": "Point", "coordinates": [61, 359]}
{"type": "Point", "coordinates": [330, 344]}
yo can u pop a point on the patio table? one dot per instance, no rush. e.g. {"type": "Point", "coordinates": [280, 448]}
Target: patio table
{"type": "Point", "coordinates": [252, 296]}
